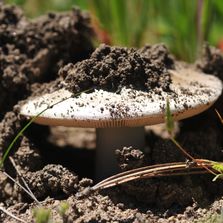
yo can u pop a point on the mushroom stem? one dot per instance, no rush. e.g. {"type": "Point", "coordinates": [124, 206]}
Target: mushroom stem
{"type": "Point", "coordinates": [110, 139]}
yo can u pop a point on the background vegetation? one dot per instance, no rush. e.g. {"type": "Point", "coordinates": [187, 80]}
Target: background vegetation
{"type": "Point", "coordinates": [182, 25]}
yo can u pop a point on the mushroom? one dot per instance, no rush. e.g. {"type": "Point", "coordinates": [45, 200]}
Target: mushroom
{"type": "Point", "coordinates": [119, 118]}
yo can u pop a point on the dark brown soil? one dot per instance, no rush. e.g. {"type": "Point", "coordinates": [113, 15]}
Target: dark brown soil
{"type": "Point", "coordinates": [53, 170]}
{"type": "Point", "coordinates": [33, 51]}
{"type": "Point", "coordinates": [211, 61]}
{"type": "Point", "coordinates": [129, 158]}
{"type": "Point", "coordinates": [111, 68]}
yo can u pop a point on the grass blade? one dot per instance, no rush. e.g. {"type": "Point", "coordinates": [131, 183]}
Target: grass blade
{"type": "Point", "coordinates": [142, 23]}
{"type": "Point", "coordinates": [28, 124]}
{"type": "Point", "coordinates": [169, 119]}
{"type": "Point", "coordinates": [119, 15]}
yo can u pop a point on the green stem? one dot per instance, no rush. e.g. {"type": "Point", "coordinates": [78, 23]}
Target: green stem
{"type": "Point", "coordinates": [28, 124]}
{"type": "Point", "coordinates": [182, 149]}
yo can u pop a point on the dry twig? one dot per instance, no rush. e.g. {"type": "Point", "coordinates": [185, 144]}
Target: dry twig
{"type": "Point", "coordinates": [12, 215]}
{"type": "Point", "coordinates": [23, 180]}
{"type": "Point", "coordinates": [167, 169]}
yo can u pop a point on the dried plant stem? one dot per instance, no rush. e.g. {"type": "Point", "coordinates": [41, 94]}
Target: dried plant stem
{"type": "Point", "coordinates": [23, 180]}
{"type": "Point", "coordinates": [12, 215]}
{"type": "Point", "coordinates": [17, 183]}
{"type": "Point", "coordinates": [168, 169]}
{"type": "Point", "coordinates": [191, 157]}
{"type": "Point", "coordinates": [219, 116]}
{"type": "Point", "coordinates": [182, 149]}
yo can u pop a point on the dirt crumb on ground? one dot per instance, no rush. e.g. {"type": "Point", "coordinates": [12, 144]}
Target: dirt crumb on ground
{"type": "Point", "coordinates": [100, 208]}
{"type": "Point", "coordinates": [27, 156]}
{"type": "Point", "coordinates": [130, 158]}
{"type": "Point", "coordinates": [111, 68]}
{"type": "Point", "coordinates": [51, 180]}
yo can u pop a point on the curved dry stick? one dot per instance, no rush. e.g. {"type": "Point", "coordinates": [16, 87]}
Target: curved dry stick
{"type": "Point", "coordinates": [167, 169]}
{"type": "Point", "coordinates": [11, 215]}
{"type": "Point", "coordinates": [24, 182]}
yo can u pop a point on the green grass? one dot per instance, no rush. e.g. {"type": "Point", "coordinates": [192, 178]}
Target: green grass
{"type": "Point", "coordinates": [182, 25]}
{"type": "Point", "coordinates": [42, 215]}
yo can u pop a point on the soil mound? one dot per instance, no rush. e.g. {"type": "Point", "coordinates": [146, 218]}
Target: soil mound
{"type": "Point", "coordinates": [211, 61]}
{"type": "Point", "coordinates": [33, 51]}
{"type": "Point", "coordinates": [111, 68]}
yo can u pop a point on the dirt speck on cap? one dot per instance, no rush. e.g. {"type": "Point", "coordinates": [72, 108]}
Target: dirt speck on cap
{"type": "Point", "coordinates": [111, 68]}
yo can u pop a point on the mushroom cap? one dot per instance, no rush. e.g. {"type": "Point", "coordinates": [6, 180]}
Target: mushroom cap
{"type": "Point", "coordinates": [191, 93]}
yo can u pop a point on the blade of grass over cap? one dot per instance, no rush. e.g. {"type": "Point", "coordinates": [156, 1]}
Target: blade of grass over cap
{"type": "Point", "coordinates": [169, 118]}
{"type": "Point", "coordinates": [29, 123]}
{"type": "Point", "coordinates": [17, 137]}
{"type": "Point", "coordinates": [170, 128]}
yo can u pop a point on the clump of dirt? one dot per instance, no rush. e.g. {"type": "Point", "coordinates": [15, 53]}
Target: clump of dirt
{"type": "Point", "coordinates": [159, 54]}
{"type": "Point", "coordinates": [52, 180]}
{"type": "Point", "coordinates": [92, 208]}
{"type": "Point", "coordinates": [33, 51]}
{"type": "Point", "coordinates": [38, 89]}
{"type": "Point", "coordinates": [130, 158]}
{"type": "Point", "coordinates": [60, 36]}
{"type": "Point", "coordinates": [167, 192]}
{"type": "Point", "coordinates": [211, 61]}
{"type": "Point", "coordinates": [28, 156]}
{"type": "Point", "coordinates": [111, 68]}
{"type": "Point", "coordinates": [99, 208]}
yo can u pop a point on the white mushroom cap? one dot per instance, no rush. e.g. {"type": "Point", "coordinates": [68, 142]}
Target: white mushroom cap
{"type": "Point", "coordinates": [192, 93]}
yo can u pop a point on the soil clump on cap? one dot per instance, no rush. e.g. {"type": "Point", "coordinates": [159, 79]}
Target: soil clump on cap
{"type": "Point", "coordinates": [211, 61]}
{"type": "Point", "coordinates": [112, 68]}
